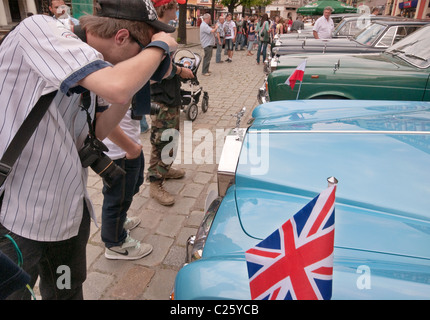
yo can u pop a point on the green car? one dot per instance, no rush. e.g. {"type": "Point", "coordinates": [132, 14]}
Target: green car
{"type": "Point", "coordinates": [399, 73]}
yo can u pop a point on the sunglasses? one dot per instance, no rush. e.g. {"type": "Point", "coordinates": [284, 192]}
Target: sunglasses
{"type": "Point", "coordinates": [137, 41]}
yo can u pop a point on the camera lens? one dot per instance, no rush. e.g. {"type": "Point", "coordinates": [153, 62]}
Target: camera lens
{"type": "Point", "coordinates": [107, 169]}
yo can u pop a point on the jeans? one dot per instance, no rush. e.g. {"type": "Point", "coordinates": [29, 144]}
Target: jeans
{"type": "Point", "coordinates": [143, 124]}
{"type": "Point", "coordinates": [207, 59]}
{"type": "Point", "coordinates": [262, 46]}
{"type": "Point", "coordinates": [240, 40]}
{"type": "Point", "coordinates": [250, 44]}
{"type": "Point", "coordinates": [218, 51]}
{"type": "Point", "coordinates": [53, 262]}
{"type": "Point", "coordinates": [118, 198]}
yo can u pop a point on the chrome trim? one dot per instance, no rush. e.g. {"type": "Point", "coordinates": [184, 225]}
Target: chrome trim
{"type": "Point", "coordinates": [261, 97]}
{"type": "Point", "coordinates": [229, 159]}
{"type": "Point", "coordinates": [188, 248]}
{"type": "Point", "coordinates": [195, 244]}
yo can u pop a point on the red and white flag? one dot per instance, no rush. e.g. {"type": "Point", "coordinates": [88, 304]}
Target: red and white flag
{"type": "Point", "coordinates": [297, 75]}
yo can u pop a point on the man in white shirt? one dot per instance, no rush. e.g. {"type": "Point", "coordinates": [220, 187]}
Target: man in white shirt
{"type": "Point", "coordinates": [207, 40]}
{"type": "Point", "coordinates": [44, 204]}
{"type": "Point", "coordinates": [324, 25]}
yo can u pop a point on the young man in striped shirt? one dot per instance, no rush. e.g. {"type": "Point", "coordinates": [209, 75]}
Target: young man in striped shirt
{"type": "Point", "coordinates": [45, 206]}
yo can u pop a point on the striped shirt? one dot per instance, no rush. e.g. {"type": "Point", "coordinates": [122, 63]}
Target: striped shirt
{"type": "Point", "coordinates": [44, 194]}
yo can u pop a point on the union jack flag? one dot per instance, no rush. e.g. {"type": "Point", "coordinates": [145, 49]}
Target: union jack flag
{"type": "Point", "coordinates": [296, 261]}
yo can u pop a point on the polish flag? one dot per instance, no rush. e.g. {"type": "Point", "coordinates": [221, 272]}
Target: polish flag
{"type": "Point", "coordinates": [296, 75]}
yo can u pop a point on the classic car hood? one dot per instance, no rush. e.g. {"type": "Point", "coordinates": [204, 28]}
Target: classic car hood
{"type": "Point", "coordinates": [376, 61]}
{"type": "Point", "coordinates": [378, 152]}
{"type": "Point", "coordinates": [320, 45]}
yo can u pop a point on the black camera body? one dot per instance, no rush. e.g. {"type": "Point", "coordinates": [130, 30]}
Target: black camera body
{"type": "Point", "coordinates": [93, 155]}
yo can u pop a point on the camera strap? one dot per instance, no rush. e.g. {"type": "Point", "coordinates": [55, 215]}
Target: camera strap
{"type": "Point", "coordinates": [24, 134]}
{"type": "Point", "coordinates": [85, 105]}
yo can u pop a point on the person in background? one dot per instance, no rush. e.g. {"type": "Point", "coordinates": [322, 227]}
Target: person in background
{"type": "Point", "coordinates": [324, 25]}
{"type": "Point", "coordinates": [263, 36]}
{"type": "Point", "coordinates": [219, 39]}
{"type": "Point", "coordinates": [207, 40]}
{"type": "Point", "coordinates": [230, 36]}
{"type": "Point", "coordinates": [61, 12]}
{"type": "Point", "coordinates": [298, 24]}
{"type": "Point", "coordinates": [125, 150]}
{"type": "Point", "coordinates": [240, 34]}
{"type": "Point", "coordinates": [280, 26]}
{"type": "Point", "coordinates": [167, 96]}
{"type": "Point", "coordinates": [251, 36]}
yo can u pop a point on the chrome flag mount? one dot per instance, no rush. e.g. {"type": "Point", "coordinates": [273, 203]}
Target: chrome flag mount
{"type": "Point", "coordinates": [296, 261]}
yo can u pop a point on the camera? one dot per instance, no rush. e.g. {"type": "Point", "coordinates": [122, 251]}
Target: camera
{"type": "Point", "coordinates": [92, 154]}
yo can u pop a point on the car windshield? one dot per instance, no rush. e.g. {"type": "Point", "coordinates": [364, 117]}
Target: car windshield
{"type": "Point", "coordinates": [370, 34]}
{"type": "Point", "coordinates": [414, 48]}
{"type": "Point", "coordinates": [347, 28]}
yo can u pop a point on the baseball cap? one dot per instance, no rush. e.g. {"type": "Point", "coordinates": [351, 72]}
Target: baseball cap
{"type": "Point", "coordinates": [134, 10]}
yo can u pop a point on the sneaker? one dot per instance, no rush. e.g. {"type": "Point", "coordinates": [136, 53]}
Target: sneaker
{"type": "Point", "coordinates": [131, 223]}
{"type": "Point", "coordinates": [131, 249]}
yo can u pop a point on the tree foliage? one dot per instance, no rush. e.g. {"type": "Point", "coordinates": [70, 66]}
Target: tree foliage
{"type": "Point", "coordinates": [232, 4]}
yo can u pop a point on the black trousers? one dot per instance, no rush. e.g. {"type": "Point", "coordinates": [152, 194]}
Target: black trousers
{"type": "Point", "coordinates": [61, 265]}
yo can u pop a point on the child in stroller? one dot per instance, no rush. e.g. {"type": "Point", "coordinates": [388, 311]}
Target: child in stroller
{"type": "Point", "coordinates": [190, 95]}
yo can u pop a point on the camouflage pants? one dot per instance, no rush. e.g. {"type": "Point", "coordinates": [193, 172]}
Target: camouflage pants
{"type": "Point", "coordinates": [164, 131]}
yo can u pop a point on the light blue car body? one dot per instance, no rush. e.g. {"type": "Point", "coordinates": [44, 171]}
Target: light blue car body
{"type": "Point", "coordinates": [380, 153]}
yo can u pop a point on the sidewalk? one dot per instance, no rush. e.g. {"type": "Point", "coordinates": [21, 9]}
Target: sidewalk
{"type": "Point", "coordinates": [231, 87]}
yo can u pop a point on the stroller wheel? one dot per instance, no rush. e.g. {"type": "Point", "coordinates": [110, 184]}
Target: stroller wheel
{"type": "Point", "coordinates": [205, 101]}
{"type": "Point", "coordinates": [192, 111]}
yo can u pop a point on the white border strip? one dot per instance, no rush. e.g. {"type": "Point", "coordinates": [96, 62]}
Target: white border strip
{"type": "Point", "coordinates": [343, 131]}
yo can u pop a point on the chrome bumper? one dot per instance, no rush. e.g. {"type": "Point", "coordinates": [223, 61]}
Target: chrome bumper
{"type": "Point", "coordinates": [263, 94]}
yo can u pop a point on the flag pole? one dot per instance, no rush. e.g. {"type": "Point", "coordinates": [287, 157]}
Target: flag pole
{"type": "Point", "coordinates": [298, 92]}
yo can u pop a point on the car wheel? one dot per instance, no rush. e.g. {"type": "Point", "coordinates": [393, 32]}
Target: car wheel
{"type": "Point", "coordinates": [192, 111]}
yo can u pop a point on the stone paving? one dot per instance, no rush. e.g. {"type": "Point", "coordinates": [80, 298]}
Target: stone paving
{"type": "Point", "coordinates": [231, 87]}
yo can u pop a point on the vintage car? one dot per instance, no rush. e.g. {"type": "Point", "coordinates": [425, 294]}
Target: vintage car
{"type": "Point", "coordinates": [373, 37]}
{"type": "Point", "coordinates": [377, 37]}
{"type": "Point", "coordinates": [400, 73]}
{"type": "Point", "coordinates": [347, 27]}
{"type": "Point", "coordinates": [379, 151]}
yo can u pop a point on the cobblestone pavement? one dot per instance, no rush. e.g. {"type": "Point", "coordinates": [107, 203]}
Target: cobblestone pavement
{"type": "Point", "coordinates": [231, 87]}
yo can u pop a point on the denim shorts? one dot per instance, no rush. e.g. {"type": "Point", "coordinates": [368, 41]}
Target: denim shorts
{"type": "Point", "coordinates": [228, 44]}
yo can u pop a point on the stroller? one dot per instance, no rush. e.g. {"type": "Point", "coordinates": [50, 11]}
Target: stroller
{"type": "Point", "coordinates": [190, 95]}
